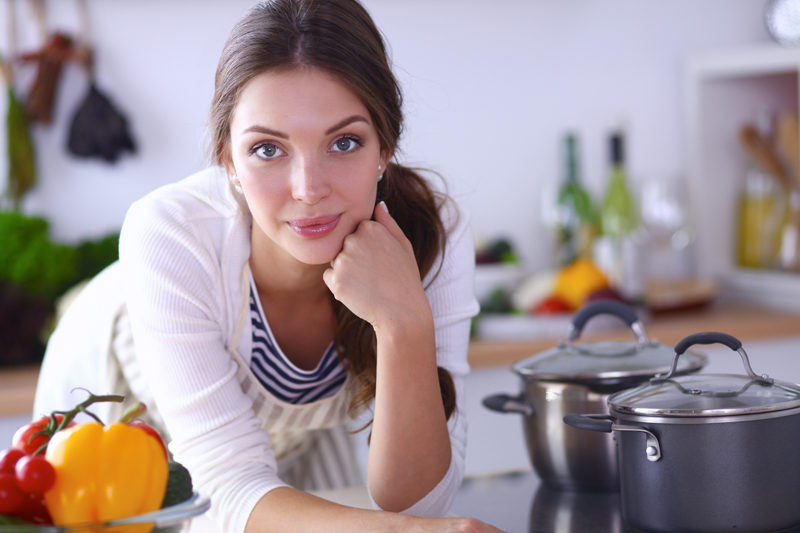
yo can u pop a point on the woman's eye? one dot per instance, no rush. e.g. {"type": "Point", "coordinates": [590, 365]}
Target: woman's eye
{"type": "Point", "coordinates": [346, 144]}
{"type": "Point", "coordinates": [267, 151]}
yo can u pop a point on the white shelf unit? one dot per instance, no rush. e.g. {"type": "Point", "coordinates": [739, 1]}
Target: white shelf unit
{"type": "Point", "coordinates": [723, 91]}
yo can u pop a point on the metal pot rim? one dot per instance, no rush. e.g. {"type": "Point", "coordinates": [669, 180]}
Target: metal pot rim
{"type": "Point", "coordinates": [721, 418]}
{"type": "Point", "coordinates": [624, 379]}
{"type": "Point", "coordinates": [522, 367]}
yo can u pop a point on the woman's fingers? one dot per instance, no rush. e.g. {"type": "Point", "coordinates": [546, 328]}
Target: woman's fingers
{"type": "Point", "coordinates": [458, 525]}
{"type": "Point", "coordinates": [386, 220]}
{"type": "Point", "coordinates": [376, 272]}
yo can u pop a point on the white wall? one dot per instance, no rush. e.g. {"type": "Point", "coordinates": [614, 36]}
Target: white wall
{"type": "Point", "coordinates": [490, 87]}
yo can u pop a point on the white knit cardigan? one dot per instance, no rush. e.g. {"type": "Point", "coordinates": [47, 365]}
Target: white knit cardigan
{"type": "Point", "coordinates": [182, 252]}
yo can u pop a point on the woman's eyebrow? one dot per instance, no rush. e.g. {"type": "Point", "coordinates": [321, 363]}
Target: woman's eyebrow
{"type": "Point", "coordinates": [339, 125]}
{"type": "Point", "coordinates": [261, 129]}
{"type": "Point", "coordinates": [349, 120]}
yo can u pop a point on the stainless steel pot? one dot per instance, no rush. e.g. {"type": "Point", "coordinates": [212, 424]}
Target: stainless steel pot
{"type": "Point", "coordinates": [579, 378]}
{"type": "Point", "coordinates": [706, 453]}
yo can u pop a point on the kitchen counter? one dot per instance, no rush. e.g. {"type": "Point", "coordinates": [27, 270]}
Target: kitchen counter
{"type": "Point", "coordinates": [518, 502]}
{"type": "Point", "coordinates": [17, 388]}
{"type": "Point", "coordinates": [18, 385]}
{"type": "Point", "coordinates": [514, 502]}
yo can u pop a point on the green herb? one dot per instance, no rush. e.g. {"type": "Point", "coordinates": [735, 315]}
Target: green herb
{"type": "Point", "coordinates": [29, 259]}
{"type": "Point", "coordinates": [21, 157]}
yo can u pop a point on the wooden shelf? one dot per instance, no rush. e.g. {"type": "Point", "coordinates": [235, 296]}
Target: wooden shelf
{"type": "Point", "coordinates": [743, 322]}
{"type": "Point", "coordinates": [17, 388]}
{"type": "Point", "coordinates": [18, 385]}
{"type": "Point", "coordinates": [724, 90]}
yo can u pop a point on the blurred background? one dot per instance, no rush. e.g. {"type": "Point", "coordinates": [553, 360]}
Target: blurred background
{"type": "Point", "coordinates": [490, 88]}
{"type": "Point", "coordinates": [638, 150]}
{"type": "Point", "coordinates": [493, 91]}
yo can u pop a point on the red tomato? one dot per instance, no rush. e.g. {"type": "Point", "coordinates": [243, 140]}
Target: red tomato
{"type": "Point", "coordinates": [606, 294]}
{"type": "Point", "coordinates": [34, 510]}
{"type": "Point", "coordinates": [35, 475]}
{"type": "Point", "coordinates": [551, 305]}
{"type": "Point", "coordinates": [11, 496]}
{"type": "Point", "coordinates": [150, 431]}
{"type": "Point", "coordinates": [26, 438]}
{"type": "Point", "coordinates": [9, 458]}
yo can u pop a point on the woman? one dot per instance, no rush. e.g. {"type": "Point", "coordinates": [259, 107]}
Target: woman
{"type": "Point", "coordinates": [264, 302]}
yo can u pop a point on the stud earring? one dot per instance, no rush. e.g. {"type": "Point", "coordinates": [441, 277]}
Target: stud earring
{"type": "Point", "coordinates": [380, 177]}
{"type": "Point", "coordinates": [235, 181]}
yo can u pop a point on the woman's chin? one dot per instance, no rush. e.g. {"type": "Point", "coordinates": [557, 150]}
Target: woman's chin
{"type": "Point", "coordinates": [319, 256]}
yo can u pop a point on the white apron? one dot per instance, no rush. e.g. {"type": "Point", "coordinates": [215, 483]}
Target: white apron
{"type": "Point", "coordinates": [312, 444]}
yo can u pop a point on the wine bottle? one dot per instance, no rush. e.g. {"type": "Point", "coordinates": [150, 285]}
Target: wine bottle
{"type": "Point", "coordinates": [616, 252]}
{"type": "Point", "coordinates": [576, 219]}
{"type": "Point", "coordinates": [618, 214]}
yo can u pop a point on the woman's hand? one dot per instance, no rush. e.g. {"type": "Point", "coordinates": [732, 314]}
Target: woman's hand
{"type": "Point", "coordinates": [456, 525]}
{"type": "Point", "coordinates": [290, 510]}
{"type": "Point", "coordinates": [376, 274]}
{"type": "Point", "coordinates": [377, 278]}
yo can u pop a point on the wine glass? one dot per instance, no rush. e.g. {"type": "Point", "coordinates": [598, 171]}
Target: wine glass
{"type": "Point", "coordinates": [667, 226]}
{"type": "Point", "coordinates": [665, 213]}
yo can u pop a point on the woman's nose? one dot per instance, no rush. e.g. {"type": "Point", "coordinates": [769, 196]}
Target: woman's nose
{"type": "Point", "coordinates": [309, 183]}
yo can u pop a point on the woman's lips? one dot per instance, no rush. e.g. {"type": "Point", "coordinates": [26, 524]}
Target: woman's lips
{"type": "Point", "coordinates": [314, 227]}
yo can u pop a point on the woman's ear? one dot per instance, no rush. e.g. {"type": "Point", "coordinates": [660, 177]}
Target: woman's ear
{"type": "Point", "coordinates": [229, 168]}
{"type": "Point", "coordinates": [386, 156]}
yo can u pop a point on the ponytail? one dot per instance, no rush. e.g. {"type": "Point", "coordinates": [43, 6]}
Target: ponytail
{"type": "Point", "coordinates": [415, 206]}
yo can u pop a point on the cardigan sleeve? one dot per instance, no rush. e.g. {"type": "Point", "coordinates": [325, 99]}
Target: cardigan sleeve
{"type": "Point", "coordinates": [450, 292]}
{"type": "Point", "coordinates": [173, 288]}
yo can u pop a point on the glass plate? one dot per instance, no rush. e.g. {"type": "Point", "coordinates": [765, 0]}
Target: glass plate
{"type": "Point", "coordinates": [168, 520]}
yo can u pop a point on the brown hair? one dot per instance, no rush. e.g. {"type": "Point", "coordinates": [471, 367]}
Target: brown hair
{"type": "Point", "coordinates": [339, 37]}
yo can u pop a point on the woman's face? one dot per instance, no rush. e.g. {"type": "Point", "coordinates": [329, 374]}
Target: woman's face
{"type": "Point", "coordinates": [306, 154]}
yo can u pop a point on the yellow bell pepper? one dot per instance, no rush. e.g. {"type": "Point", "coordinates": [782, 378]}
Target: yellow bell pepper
{"type": "Point", "coordinates": [577, 281]}
{"type": "Point", "coordinates": [105, 473]}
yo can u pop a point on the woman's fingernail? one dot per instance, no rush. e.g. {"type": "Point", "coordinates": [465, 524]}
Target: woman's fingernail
{"type": "Point", "coordinates": [384, 206]}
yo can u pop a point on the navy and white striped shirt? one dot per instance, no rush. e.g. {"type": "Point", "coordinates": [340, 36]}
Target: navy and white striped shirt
{"type": "Point", "coordinates": [282, 378]}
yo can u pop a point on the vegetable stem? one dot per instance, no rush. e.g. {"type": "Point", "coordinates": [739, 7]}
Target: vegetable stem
{"type": "Point", "coordinates": [134, 411]}
{"type": "Point", "coordinates": [54, 426]}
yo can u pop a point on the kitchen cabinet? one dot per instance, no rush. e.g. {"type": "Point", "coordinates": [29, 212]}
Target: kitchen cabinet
{"type": "Point", "coordinates": [723, 91]}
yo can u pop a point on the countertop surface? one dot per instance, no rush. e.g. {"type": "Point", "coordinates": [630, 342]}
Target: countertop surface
{"type": "Point", "coordinates": [18, 385]}
{"type": "Point", "coordinates": [518, 502]}
{"type": "Point", "coordinates": [514, 502]}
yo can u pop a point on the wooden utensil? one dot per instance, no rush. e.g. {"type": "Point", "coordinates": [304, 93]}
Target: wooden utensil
{"type": "Point", "coordinates": [762, 154]}
{"type": "Point", "coordinates": [789, 144]}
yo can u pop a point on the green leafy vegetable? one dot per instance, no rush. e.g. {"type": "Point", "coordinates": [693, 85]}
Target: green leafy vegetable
{"type": "Point", "coordinates": [179, 485]}
{"type": "Point", "coordinates": [94, 256]}
{"type": "Point", "coordinates": [29, 259]}
{"type": "Point", "coordinates": [13, 524]}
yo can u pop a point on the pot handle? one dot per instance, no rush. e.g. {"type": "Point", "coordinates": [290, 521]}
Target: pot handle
{"type": "Point", "coordinates": [600, 423]}
{"type": "Point", "coordinates": [605, 424]}
{"type": "Point", "coordinates": [606, 307]}
{"type": "Point", "coordinates": [504, 403]}
{"type": "Point", "coordinates": [713, 337]}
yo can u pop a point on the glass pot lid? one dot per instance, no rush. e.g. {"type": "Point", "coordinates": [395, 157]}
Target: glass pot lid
{"type": "Point", "coordinates": [609, 360]}
{"type": "Point", "coordinates": [703, 395]}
